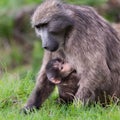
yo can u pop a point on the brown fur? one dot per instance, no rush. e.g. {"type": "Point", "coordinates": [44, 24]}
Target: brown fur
{"type": "Point", "coordinates": [91, 46]}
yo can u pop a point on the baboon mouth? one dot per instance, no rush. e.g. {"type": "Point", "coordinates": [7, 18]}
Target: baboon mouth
{"type": "Point", "coordinates": [56, 81]}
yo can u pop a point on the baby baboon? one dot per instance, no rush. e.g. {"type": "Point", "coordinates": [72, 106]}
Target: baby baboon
{"type": "Point", "coordinates": [65, 77]}
{"type": "Point", "coordinates": [88, 43]}
{"type": "Point", "coordinates": [57, 69]}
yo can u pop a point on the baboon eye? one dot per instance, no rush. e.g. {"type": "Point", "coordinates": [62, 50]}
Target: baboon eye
{"type": "Point", "coordinates": [37, 26]}
{"type": "Point", "coordinates": [41, 25]}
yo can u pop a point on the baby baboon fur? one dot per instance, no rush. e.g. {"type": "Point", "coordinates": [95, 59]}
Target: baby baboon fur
{"type": "Point", "coordinates": [65, 77]}
{"type": "Point", "coordinates": [84, 39]}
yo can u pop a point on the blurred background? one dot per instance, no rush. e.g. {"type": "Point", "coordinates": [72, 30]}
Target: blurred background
{"type": "Point", "coordinates": [20, 49]}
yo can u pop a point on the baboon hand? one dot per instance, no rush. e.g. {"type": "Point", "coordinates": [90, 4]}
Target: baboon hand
{"type": "Point", "coordinates": [28, 109]}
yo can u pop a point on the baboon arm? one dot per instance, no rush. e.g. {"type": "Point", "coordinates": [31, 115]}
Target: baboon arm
{"type": "Point", "coordinates": [43, 87]}
{"type": "Point", "coordinates": [39, 95]}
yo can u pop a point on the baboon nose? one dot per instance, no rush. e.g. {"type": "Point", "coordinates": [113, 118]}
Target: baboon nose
{"type": "Point", "coordinates": [45, 47]}
{"type": "Point", "coordinates": [51, 49]}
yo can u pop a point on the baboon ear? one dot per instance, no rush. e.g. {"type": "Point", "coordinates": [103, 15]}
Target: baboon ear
{"type": "Point", "coordinates": [60, 23]}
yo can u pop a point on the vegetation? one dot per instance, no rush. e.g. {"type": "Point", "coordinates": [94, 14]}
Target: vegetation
{"type": "Point", "coordinates": [15, 88]}
{"type": "Point", "coordinates": [19, 64]}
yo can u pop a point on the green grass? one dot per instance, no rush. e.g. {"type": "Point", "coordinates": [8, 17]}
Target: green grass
{"type": "Point", "coordinates": [15, 89]}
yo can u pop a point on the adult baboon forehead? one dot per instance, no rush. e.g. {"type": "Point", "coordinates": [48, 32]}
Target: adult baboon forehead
{"type": "Point", "coordinates": [45, 11]}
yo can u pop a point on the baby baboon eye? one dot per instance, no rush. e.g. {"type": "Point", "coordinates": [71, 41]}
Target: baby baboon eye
{"type": "Point", "coordinates": [61, 68]}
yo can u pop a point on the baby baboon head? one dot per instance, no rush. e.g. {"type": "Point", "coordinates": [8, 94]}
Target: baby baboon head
{"type": "Point", "coordinates": [57, 69]}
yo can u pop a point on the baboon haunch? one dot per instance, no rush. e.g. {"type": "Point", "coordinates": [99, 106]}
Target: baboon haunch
{"type": "Point", "coordinates": [84, 39]}
{"type": "Point", "coordinates": [61, 74]}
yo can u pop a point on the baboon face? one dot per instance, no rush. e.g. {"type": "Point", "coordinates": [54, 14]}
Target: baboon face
{"type": "Point", "coordinates": [56, 69]}
{"type": "Point", "coordinates": [51, 24]}
{"type": "Point", "coordinates": [50, 39]}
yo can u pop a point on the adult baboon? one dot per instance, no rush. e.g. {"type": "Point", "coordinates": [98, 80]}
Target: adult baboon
{"type": "Point", "coordinates": [65, 77]}
{"type": "Point", "coordinates": [86, 41]}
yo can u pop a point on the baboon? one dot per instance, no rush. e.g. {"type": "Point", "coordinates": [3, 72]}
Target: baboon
{"type": "Point", "coordinates": [84, 39]}
{"type": "Point", "coordinates": [57, 70]}
{"type": "Point", "coordinates": [61, 74]}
